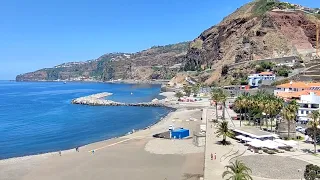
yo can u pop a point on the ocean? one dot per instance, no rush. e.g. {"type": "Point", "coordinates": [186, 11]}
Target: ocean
{"type": "Point", "coordinates": [37, 117]}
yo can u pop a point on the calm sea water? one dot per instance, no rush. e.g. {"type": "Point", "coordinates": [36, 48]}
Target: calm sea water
{"type": "Point", "coordinates": [37, 117]}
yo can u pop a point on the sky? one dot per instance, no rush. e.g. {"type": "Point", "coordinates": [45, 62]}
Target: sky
{"type": "Point", "coordinates": [36, 34]}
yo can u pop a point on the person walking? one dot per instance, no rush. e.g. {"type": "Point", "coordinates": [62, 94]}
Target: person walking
{"type": "Point", "coordinates": [60, 153]}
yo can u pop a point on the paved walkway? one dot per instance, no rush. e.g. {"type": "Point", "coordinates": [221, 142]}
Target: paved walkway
{"type": "Point", "coordinates": [213, 168]}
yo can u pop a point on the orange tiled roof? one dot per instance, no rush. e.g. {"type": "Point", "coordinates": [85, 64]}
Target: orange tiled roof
{"type": "Point", "coordinates": [266, 73]}
{"type": "Point", "coordinates": [298, 85]}
{"type": "Point", "coordinates": [296, 94]}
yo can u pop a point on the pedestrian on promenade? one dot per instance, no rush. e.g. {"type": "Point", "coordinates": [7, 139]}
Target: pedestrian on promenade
{"type": "Point", "coordinates": [215, 156]}
{"type": "Point", "coordinates": [211, 156]}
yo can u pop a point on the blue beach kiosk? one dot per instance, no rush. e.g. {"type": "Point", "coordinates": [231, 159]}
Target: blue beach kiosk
{"type": "Point", "coordinates": [179, 133]}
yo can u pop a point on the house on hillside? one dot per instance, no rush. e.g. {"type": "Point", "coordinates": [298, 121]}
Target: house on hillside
{"type": "Point", "coordinates": [254, 80]}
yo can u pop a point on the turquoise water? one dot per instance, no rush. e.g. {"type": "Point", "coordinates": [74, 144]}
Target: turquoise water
{"type": "Point", "coordinates": [37, 117]}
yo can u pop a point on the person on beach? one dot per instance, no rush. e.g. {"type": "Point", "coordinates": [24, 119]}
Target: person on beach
{"type": "Point", "coordinates": [77, 149]}
{"type": "Point", "coordinates": [60, 153]}
{"type": "Point", "coordinates": [92, 151]}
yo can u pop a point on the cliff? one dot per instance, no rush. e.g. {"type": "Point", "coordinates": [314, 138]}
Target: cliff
{"type": "Point", "coordinates": [258, 30]}
{"type": "Point", "coordinates": [158, 62]}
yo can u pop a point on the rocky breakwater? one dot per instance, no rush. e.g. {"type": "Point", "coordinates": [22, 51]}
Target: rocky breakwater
{"type": "Point", "coordinates": [98, 100]}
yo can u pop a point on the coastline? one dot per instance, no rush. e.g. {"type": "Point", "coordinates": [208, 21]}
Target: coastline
{"type": "Point", "coordinates": [126, 135]}
{"type": "Point", "coordinates": [128, 81]}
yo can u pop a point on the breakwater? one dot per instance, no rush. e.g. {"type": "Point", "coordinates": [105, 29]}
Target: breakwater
{"type": "Point", "coordinates": [99, 100]}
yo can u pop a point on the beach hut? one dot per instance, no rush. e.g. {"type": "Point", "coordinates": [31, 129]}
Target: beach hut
{"type": "Point", "coordinates": [179, 133]}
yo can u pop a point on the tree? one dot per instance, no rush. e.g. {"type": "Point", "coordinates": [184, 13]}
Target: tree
{"type": "Point", "coordinates": [314, 125]}
{"type": "Point", "coordinates": [237, 171]}
{"type": "Point", "coordinates": [215, 96]}
{"type": "Point", "coordinates": [224, 131]}
{"type": "Point", "coordinates": [187, 90]}
{"type": "Point", "coordinates": [312, 172]}
{"type": "Point", "coordinates": [222, 99]}
{"type": "Point", "coordinates": [239, 105]}
{"type": "Point", "coordinates": [289, 114]}
{"type": "Point", "coordinates": [179, 94]}
{"type": "Point", "coordinates": [196, 89]}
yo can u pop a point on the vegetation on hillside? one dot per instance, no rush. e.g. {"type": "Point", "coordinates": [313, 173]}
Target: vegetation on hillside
{"type": "Point", "coordinates": [263, 6]}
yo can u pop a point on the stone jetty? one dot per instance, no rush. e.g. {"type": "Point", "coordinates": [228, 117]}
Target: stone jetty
{"type": "Point", "coordinates": [99, 100]}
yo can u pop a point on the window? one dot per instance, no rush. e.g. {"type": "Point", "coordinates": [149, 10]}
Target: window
{"type": "Point", "coordinates": [302, 111]}
{"type": "Point", "coordinates": [307, 112]}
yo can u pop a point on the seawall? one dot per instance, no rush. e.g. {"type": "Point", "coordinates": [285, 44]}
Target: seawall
{"type": "Point", "coordinates": [98, 100]}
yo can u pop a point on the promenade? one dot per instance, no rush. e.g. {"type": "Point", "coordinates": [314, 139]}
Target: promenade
{"type": "Point", "coordinates": [214, 168]}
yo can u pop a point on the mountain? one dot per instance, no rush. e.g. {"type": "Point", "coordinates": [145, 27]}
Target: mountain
{"type": "Point", "coordinates": [258, 30]}
{"type": "Point", "coordinates": [261, 29]}
{"type": "Point", "coordinates": [158, 62]}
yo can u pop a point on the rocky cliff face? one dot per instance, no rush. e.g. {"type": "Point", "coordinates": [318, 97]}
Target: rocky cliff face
{"type": "Point", "coordinates": [258, 30]}
{"type": "Point", "coordinates": [153, 63]}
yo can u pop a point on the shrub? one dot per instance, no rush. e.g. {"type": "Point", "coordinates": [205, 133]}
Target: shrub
{"type": "Point", "coordinates": [179, 94]}
{"type": "Point", "coordinates": [312, 172]}
{"type": "Point", "coordinates": [259, 69]}
{"type": "Point", "coordinates": [283, 72]}
{"type": "Point", "coordinates": [225, 69]}
{"type": "Point", "coordinates": [243, 82]}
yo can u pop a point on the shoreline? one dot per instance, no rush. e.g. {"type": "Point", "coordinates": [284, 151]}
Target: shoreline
{"type": "Point", "coordinates": [156, 82]}
{"type": "Point", "coordinates": [20, 158]}
{"type": "Point", "coordinates": [45, 154]}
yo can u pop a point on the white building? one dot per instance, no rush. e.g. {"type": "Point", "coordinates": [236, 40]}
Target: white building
{"type": "Point", "coordinates": [308, 103]}
{"type": "Point", "coordinates": [254, 80]}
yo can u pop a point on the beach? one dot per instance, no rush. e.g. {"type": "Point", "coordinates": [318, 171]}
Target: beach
{"type": "Point", "coordinates": [135, 156]}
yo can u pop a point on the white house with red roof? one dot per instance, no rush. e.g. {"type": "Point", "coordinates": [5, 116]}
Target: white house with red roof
{"type": "Point", "coordinates": [254, 80]}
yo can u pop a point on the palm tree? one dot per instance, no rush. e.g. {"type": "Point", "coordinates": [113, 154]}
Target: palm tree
{"type": "Point", "coordinates": [245, 103]}
{"type": "Point", "coordinates": [187, 90]}
{"type": "Point", "coordinates": [223, 99]}
{"type": "Point", "coordinates": [215, 96]}
{"type": "Point", "coordinates": [237, 171]}
{"type": "Point", "coordinates": [224, 131]}
{"type": "Point", "coordinates": [239, 106]}
{"type": "Point", "coordinates": [195, 89]}
{"type": "Point", "coordinates": [314, 125]}
{"type": "Point", "coordinates": [268, 104]}
{"type": "Point", "coordinates": [289, 114]}
{"type": "Point", "coordinates": [293, 108]}
{"type": "Point", "coordinates": [276, 108]}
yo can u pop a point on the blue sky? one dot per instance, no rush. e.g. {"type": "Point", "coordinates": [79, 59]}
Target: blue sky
{"type": "Point", "coordinates": [37, 33]}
